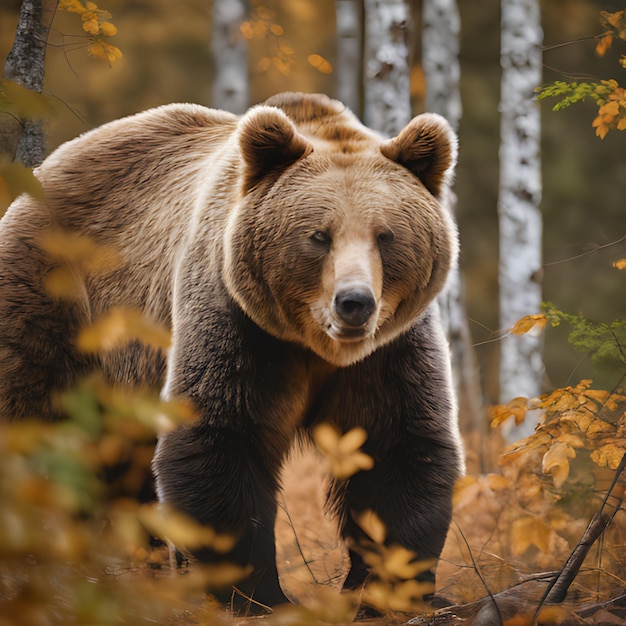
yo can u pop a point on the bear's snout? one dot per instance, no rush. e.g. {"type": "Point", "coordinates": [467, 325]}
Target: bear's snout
{"type": "Point", "coordinates": [355, 306]}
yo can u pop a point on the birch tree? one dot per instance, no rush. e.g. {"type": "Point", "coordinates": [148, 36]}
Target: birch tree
{"type": "Point", "coordinates": [230, 56]}
{"type": "Point", "coordinates": [348, 18]}
{"type": "Point", "coordinates": [521, 367]}
{"type": "Point", "coordinates": [441, 26]}
{"type": "Point", "coordinates": [387, 106]}
{"type": "Point", "coordinates": [23, 140]}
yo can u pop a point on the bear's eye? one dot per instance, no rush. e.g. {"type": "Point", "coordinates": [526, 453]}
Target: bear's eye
{"type": "Point", "coordinates": [385, 237]}
{"type": "Point", "coordinates": [321, 237]}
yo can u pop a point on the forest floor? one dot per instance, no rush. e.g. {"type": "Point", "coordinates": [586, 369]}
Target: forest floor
{"type": "Point", "coordinates": [488, 591]}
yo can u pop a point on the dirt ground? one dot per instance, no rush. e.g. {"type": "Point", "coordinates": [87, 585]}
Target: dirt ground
{"type": "Point", "coordinates": [309, 551]}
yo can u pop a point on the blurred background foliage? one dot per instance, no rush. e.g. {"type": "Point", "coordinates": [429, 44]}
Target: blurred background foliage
{"type": "Point", "coordinates": [166, 48]}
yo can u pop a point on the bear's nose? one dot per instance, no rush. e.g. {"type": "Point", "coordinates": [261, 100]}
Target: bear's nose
{"type": "Point", "coordinates": [355, 306]}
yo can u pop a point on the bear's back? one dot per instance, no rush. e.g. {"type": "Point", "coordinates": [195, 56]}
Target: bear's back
{"type": "Point", "coordinates": [327, 123]}
{"type": "Point", "coordinates": [107, 176]}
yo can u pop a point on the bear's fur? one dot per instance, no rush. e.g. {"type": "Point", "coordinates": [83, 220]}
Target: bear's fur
{"type": "Point", "coordinates": [295, 256]}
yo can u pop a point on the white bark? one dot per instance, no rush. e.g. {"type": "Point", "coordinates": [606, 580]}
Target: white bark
{"type": "Point", "coordinates": [348, 15]}
{"type": "Point", "coordinates": [387, 91]}
{"type": "Point", "coordinates": [230, 56]}
{"type": "Point", "coordinates": [521, 367]}
{"type": "Point", "coordinates": [441, 27]}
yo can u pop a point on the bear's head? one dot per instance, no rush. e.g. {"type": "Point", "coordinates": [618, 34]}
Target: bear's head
{"type": "Point", "coordinates": [339, 240]}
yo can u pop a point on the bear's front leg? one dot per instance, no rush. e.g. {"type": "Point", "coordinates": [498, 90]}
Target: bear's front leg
{"type": "Point", "coordinates": [410, 491]}
{"type": "Point", "coordinates": [219, 477]}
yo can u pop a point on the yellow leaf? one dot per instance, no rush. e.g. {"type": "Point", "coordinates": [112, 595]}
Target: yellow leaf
{"type": "Point", "coordinates": [113, 53]}
{"type": "Point", "coordinates": [246, 30]}
{"type": "Point", "coordinates": [342, 451]}
{"type": "Point", "coordinates": [371, 524]}
{"type": "Point", "coordinates": [79, 251]}
{"type": "Point", "coordinates": [556, 462]}
{"type": "Point", "coordinates": [320, 63]}
{"type": "Point", "coordinates": [16, 179]}
{"type": "Point", "coordinates": [96, 50]}
{"type": "Point", "coordinates": [620, 264]}
{"type": "Point", "coordinates": [610, 108]}
{"type": "Point", "coordinates": [601, 128]}
{"type": "Point", "coordinates": [604, 44]}
{"type": "Point", "coordinates": [352, 440]}
{"type": "Point", "coordinates": [64, 282]}
{"type": "Point", "coordinates": [264, 64]}
{"type": "Point", "coordinates": [22, 102]}
{"type": "Point", "coordinates": [529, 531]}
{"type": "Point", "coordinates": [516, 408]}
{"type": "Point", "coordinates": [609, 455]}
{"type": "Point", "coordinates": [614, 19]}
{"type": "Point", "coordinates": [528, 322]}
{"type": "Point", "coordinates": [183, 531]}
{"type": "Point", "coordinates": [72, 6]}
{"type": "Point", "coordinates": [108, 29]}
{"type": "Point", "coordinates": [91, 26]}
{"type": "Point", "coordinates": [119, 326]}
{"type": "Point", "coordinates": [404, 596]}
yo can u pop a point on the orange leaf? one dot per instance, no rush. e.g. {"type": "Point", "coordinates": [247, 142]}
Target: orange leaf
{"type": "Point", "coordinates": [556, 461]}
{"type": "Point", "coordinates": [620, 264]}
{"type": "Point", "coordinates": [516, 408]}
{"type": "Point", "coordinates": [604, 44]}
{"type": "Point", "coordinates": [529, 531]}
{"type": "Point", "coordinates": [118, 327]}
{"type": "Point", "coordinates": [528, 322]}
{"type": "Point", "coordinates": [609, 455]}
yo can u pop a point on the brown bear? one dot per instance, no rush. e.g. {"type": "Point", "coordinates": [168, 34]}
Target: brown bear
{"type": "Point", "coordinates": [295, 256]}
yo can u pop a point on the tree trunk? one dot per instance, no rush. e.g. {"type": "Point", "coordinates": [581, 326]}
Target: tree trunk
{"type": "Point", "coordinates": [24, 140]}
{"type": "Point", "coordinates": [521, 367]}
{"type": "Point", "coordinates": [230, 56]}
{"type": "Point", "coordinates": [349, 17]}
{"type": "Point", "coordinates": [387, 90]}
{"type": "Point", "coordinates": [441, 26]}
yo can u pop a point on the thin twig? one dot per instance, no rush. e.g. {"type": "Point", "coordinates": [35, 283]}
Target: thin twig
{"type": "Point", "coordinates": [479, 574]}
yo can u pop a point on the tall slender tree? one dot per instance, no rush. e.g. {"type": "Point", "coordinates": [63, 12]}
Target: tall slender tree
{"type": "Point", "coordinates": [441, 26]}
{"type": "Point", "coordinates": [230, 56]}
{"type": "Point", "coordinates": [387, 97]}
{"type": "Point", "coordinates": [349, 17]}
{"type": "Point", "coordinates": [521, 367]}
{"type": "Point", "coordinates": [24, 140]}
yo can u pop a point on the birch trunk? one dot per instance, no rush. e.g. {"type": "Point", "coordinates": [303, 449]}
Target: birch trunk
{"type": "Point", "coordinates": [348, 17]}
{"type": "Point", "coordinates": [441, 26]}
{"type": "Point", "coordinates": [521, 367]}
{"type": "Point", "coordinates": [24, 140]}
{"type": "Point", "coordinates": [387, 106]}
{"type": "Point", "coordinates": [230, 56]}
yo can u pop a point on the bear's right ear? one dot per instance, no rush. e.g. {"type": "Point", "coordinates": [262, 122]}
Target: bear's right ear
{"type": "Point", "coordinates": [269, 142]}
{"type": "Point", "coordinates": [427, 146]}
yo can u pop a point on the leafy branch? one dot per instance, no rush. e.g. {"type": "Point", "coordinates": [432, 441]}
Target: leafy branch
{"type": "Point", "coordinates": [608, 95]}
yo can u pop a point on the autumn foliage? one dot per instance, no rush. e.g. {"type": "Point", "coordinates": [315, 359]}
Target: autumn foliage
{"type": "Point", "coordinates": [608, 95]}
{"type": "Point", "coordinates": [97, 27]}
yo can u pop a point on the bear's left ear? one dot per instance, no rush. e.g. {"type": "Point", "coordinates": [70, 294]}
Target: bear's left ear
{"type": "Point", "coordinates": [427, 146]}
{"type": "Point", "coordinates": [269, 142]}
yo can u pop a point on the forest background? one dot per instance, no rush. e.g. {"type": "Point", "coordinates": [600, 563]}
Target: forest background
{"type": "Point", "coordinates": [167, 57]}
